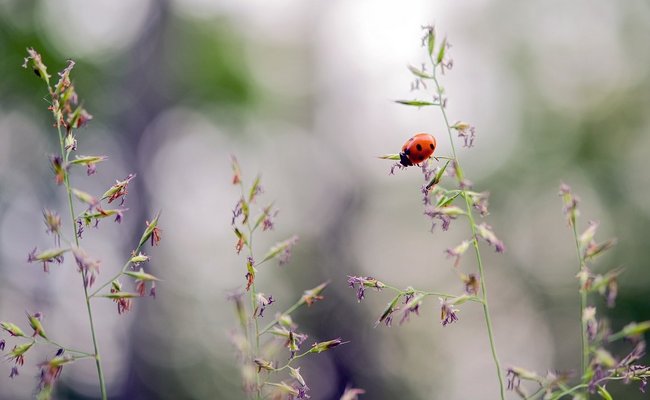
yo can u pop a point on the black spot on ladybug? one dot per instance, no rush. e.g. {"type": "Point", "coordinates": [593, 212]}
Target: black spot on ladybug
{"type": "Point", "coordinates": [419, 147]}
{"type": "Point", "coordinates": [420, 157]}
{"type": "Point", "coordinates": [431, 145]}
{"type": "Point", "coordinates": [407, 151]}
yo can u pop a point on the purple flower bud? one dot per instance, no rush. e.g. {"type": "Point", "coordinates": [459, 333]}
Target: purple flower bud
{"type": "Point", "coordinates": [36, 325]}
{"type": "Point", "coordinates": [88, 267]}
{"type": "Point", "coordinates": [465, 132]}
{"type": "Point", "coordinates": [51, 370]}
{"type": "Point", "coordinates": [236, 178]}
{"type": "Point", "coordinates": [324, 346]}
{"type": "Point", "coordinates": [589, 319]}
{"type": "Point", "coordinates": [302, 392]}
{"type": "Point", "coordinates": [2, 344]}
{"type": "Point", "coordinates": [427, 171]}
{"type": "Point", "coordinates": [18, 353]}
{"type": "Point", "coordinates": [285, 256]}
{"type": "Point", "coordinates": [447, 313]}
{"type": "Point", "coordinates": [612, 292]}
{"type": "Point", "coordinates": [598, 375]}
{"type": "Point", "coordinates": [268, 222]}
{"type": "Point", "coordinates": [140, 288]}
{"type": "Point", "coordinates": [70, 144]}
{"type": "Point", "coordinates": [11, 329]}
{"type": "Point", "coordinates": [14, 372]}
{"type": "Point", "coordinates": [47, 257]}
{"type": "Point", "coordinates": [458, 251]}
{"type": "Point", "coordinates": [485, 231]}
{"type": "Point", "coordinates": [250, 275]}
{"type": "Point", "coordinates": [513, 379]}
{"type": "Point", "coordinates": [53, 224]}
{"type": "Point", "coordinates": [570, 201]}
{"type": "Point", "coordinates": [256, 189]}
{"type": "Point", "coordinates": [295, 373]}
{"type": "Point", "coordinates": [595, 249]}
{"type": "Point", "coordinates": [80, 228]}
{"type": "Point", "coordinates": [363, 283]}
{"type": "Point", "coordinates": [37, 64]}
{"type": "Point", "coordinates": [118, 190]}
{"type": "Point", "coordinates": [84, 197]}
{"type": "Point", "coordinates": [241, 240]}
{"type": "Point", "coordinates": [91, 169]}
{"type": "Point", "coordinates": [294, 340]}
{"type": "Point", "coordinates": [480, 202]}
{"type": "Point", "coordinates": [426, 195]}
{"type": "Point", "coordinates": [263, 365]}
{"type": "Point", "coordinates": [472, 283]}
{"type": "Point", "coordinates": [445, 214]}
{"type": "Point", "coordinates": [387, 316]}
{"type": "Point", "coordinates": [237, 211]}
{"type": "Point", "coordinates": [311, 296]}
{"type": "Point", "coordinates": [262, 303]}
{"type": "Point", "coordinates": [411, 305]}
{"type": "Point", "coordinates": [124, 303]}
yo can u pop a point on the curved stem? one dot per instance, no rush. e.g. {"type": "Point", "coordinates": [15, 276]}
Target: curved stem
{"type": "Point", "coordinates": [459, 175]}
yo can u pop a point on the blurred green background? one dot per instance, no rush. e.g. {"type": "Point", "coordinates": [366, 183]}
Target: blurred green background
{"type": "Point", "coordinates": [301, 92]}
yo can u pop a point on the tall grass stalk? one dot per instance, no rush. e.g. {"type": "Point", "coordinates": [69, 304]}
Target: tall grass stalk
{"type": "Point", "coordinates": [470, 218]}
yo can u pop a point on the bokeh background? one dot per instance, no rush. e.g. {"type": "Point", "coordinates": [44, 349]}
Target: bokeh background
{"type": "Point", "coordinates": [301, 92]}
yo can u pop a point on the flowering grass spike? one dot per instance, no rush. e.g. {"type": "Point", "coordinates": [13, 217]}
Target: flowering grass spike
{"type": "Point", "coordinates": [599, 367]}
{"type": "Point", "coordinates": [263, 375]}
{"type": "Point", "coordinates": [69, 115]}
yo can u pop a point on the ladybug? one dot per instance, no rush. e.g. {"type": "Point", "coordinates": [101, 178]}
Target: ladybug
{"type": "Point", "coordinates": [417, 149]}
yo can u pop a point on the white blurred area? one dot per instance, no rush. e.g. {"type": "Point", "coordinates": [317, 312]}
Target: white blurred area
{"type": "Point", "coordinates": [343, 62]}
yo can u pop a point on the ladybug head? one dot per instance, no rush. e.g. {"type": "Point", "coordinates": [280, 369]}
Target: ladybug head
{"type": "Point", "coordinates": [404, 160]}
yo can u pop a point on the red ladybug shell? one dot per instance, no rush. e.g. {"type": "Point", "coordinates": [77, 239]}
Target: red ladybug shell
{"type": "Point", "coordinates": [417, 149]}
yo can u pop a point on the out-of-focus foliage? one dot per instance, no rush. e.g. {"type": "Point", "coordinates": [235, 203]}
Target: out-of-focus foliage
{"type": "Point", "coordinates": [301, 93]}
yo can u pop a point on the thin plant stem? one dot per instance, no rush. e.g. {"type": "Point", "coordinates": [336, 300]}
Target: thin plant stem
{"type": "Point", "coordinates": [569, 391]}
{"type": "Point", "coordinates": [426, 293]}
{"type": "Point", "coordinates": [253, 298]}
{"type": "Point", "coordinates": [583, 304]}
{"type": "Point", "coordinates": [64, 155]}
{"type": "Point", "coordinates": [69, 350]}
{"type": "Point", "coordinates": [257, 335]}
{"type": "Point", "coordinates": [288, 364]}
{"type": "Point", "coordinates": [486, 308]}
